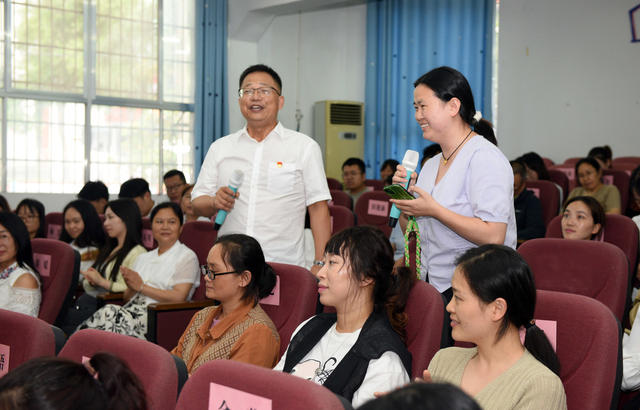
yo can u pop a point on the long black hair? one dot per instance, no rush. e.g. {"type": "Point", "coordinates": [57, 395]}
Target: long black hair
{"type": "Point", "coordinates": [497, 271]}
{"type": "Point", "coordinates": [36, 207]}
{"type": "Point", "coordinates": [18, 231]}
{"type": "Point", "coordinates": [242, 252]}
{"type": "Point", "coordinates": [448, 83]}
{"type": "Point", "coordinates": [93, 233]}
{"type": "Point", "coordinates": [128, 211]}
{"type": "Point", "coordinates": [370, 255]}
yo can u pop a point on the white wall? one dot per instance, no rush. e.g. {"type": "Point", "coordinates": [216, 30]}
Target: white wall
{"type": "Point", "coordinates": [569, 78]}
{"type": "Point", "coordinates": [319, 55]}
{"type": "Point", "coordinates": [57, 202]}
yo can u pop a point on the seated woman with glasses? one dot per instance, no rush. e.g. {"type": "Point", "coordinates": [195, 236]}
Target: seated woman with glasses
{"type": "Point", "coordinates": [31, 211]}
{"type": "Point", "coordinates": [168, 273]}
{"type": "Point", "coordinates": [19, 280]}
{"type": "Point", "coordinates": [238, 329]}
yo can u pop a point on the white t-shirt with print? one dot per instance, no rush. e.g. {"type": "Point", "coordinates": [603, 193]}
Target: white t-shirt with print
{"type": "Point", "coordinates": [383, 374]}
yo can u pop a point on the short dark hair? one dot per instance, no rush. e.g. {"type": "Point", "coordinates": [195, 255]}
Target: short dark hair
{"type": "Point", "coordinates": [634, 184]}
{"type": "Point", "coordinates": [431, 151]}
{"type": "Point", "coordinates": [497, 271]}
{"type": "Point", "coordinates": [518, 168]}
{"type": "Point", "coordinates": [595, 207]}
{"type": "Point", "coordinates": [173, 173]}
{"type": "Point", "coordinates": [424, 396]}
{"type": "Point", "coordinates": [4, 205]}
{"type": "Point", "coordinates": [170, 205]}
{"type": "Point", "coordinates": [355, 161]}
{"type": "Point", "coordinates": [535, 162]}
{"type": "Point", "coordinates": [242, 252]}
{"type": "Point", "coordinates": [94, 190]}
{"type": "Point", "coordinates": [35, 206]}
{"type": "Point", "coordinates": [134, 188]}
{"type": "Point", "coordinates": [261, 68]}
{"type": "Point", "coordinates": [93, 234]}
{"type": "Point", "coordinates": [58, 383]}
{"type": "Point", "coordinates": [590, 161]}
{"type": "Point", "coordinates": [392, 163]}
{"type": "Point", "coordinates": [18, 231]}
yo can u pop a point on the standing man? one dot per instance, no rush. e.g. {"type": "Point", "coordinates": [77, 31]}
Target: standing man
{"type": "Point", "coordinates": [283, 176]}
{"type": "Point", "coordinates": [174, 182]}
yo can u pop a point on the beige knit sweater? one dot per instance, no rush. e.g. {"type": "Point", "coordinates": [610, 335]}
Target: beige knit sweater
{"type": "Point", "coordinates": [528, 384]}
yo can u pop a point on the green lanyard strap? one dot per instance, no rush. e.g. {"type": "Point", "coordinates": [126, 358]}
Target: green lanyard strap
{"type": "Point", "coordinates": [412, 231]}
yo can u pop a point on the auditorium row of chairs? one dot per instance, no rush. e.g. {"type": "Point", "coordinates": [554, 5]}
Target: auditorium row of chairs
{"type": "Point", "coordinates": [584, 331]}
{"type": "Point", "coordinates": [376, 184]}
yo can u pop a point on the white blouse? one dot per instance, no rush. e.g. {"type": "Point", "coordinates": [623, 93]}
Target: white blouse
{"type": "Point", "coordinates": [178, 264]}
{"type": "Point", "coordinates": [16, 299]}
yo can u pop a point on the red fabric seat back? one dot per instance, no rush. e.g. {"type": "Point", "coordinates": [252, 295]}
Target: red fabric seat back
{"type": "Point", "coordinates": [199, 236]}
{"type": "Point", "coordinates": [588, 343]}
{"type": "Point", "coordinates": [591, 268]}
{"type": "Point", "coordinates": [425, 318]}
{"type": "Point", "coordinates": [373, 209]}
{"type": "Point", "coordinates": [376, 184]}
{"type": "Point", "coordinates": [58, 265]}
{"type": "Point", "coordinates": [54, 223]}
{"type": "Point", "coordinates": [549, 196]}
{"type": "Point", "coordinates": [296, 295]}
{"type": "Point", "coordinates": [153, 365]}
{"type": "Point", "coordinates": [621, 180]}
{"type": "Point", "coordinates": [561, 179]}
{"type": "Point", "coordinates": [147, 235]}
{"type": "Point", "coordinates": [339, 197]}
{"type": "Point", "coordinates": [341, 218]}
{"type": "Point", "coordinates": [23, 338]}
{"type": "Point", "coordinates": [334, 184]}
{"type": "Point", "coordinates": [285, 391]}
{"type": "Point", "coordinates": [619, 230]}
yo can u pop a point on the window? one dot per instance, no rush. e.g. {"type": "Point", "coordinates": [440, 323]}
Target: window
{"type": "Point", "coordinates": [95, 90]}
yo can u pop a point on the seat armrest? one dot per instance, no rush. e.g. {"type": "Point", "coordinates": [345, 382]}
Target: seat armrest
{"type": "Point", "coordinates": [191, 304]}
{"type": "Point", "coordinates": [175, 318]}
{"type": "Point", "coordinates": [110, 297]}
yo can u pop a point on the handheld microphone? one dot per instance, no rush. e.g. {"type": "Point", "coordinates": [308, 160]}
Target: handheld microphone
{"type": "Point", "coordinates": [234, 183]}
{"type": "Point", "coordinates": [409, 162]}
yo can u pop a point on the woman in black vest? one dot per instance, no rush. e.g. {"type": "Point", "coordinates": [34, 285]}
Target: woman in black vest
{"type": "Point", "coordinates": [359, 349]}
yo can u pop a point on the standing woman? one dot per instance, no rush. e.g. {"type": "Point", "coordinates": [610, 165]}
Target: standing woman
{"type": "Point", "coordinates": [83, 231]}
{"type": "Point", "coordinates": [31, 211]}
{"type": "Point", "coordinates": [19, 281]}
{"type": "Point", "coordinates": [464, 195]}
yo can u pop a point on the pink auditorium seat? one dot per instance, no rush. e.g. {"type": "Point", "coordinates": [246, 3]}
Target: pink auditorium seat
{"type": "Point", "coordinates": [376, 184]}
{"type": "Point", "coordinates": [373, 209]}
{"type": "Point", "coordinates": [549, 196]}
{"type": "Point", "coordinates": [22, 338]}
{"type": "Point", "coordinates": [339, 197]}
{"type": "Point", "coordinates": [334, 184]}
{"type": "Point", "coordinates": [341, 218]}
{"type": "Point", "coordinates": [621, 180]}
{"type": "Point", "coordinates": [146, 235]}
{"type": "Point", "coordinates": [54, 222]}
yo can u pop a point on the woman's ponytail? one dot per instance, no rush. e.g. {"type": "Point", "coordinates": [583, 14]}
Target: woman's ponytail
{"type": "Point", "coordinates": [402, 280]}
{"type": "Point", "coordinates": [537, 343]}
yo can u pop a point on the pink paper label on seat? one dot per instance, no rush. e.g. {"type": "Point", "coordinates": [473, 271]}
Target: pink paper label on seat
{"type": "Point", "coordinates": [227, 398]}
{"type": "Point", "coordinates": [607, 179]}
{"type": "Point", "coordinates": [4, 359]}
{"type": "Point", "coordinates": [569, 172]}
{"type": "Point", "coordinates": [147, 238]}
{"type": "Point", "coordinates": [549, 327]}
{"type": "Point", "coordinates": [53, 231]}
{"type": "Point", "coordinates": [378, 208]}
{"type": "Point", "coordinates": [536, 191]}
{"type": "Point", "coordinates": [274, 296]}
{"type": "Point", "coordinates": [43, 263]}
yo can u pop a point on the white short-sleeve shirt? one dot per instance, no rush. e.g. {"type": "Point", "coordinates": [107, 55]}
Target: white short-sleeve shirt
{"type": "Point", "coordinates": [479, 183]}
{"type": "Point", "coordinates": [283, 174]}
{"type": "Point", "coordinates": [178, 264]}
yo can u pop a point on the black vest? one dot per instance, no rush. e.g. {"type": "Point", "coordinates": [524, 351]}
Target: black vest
{"type": "Point", "coordinates": [376, 337]}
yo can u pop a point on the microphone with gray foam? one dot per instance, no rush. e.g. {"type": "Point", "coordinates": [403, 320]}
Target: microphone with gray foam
{"type": "Point", "coordinates": [234, 183]}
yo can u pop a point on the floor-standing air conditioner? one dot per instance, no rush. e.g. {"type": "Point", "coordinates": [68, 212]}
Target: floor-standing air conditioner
{"type": "Point", "coordinates": [339, 129]}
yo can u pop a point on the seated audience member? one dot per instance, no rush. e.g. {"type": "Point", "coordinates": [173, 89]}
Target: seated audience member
{"type": "Point", "coordinates": [528, 209]}
{"type": "Point", "coordinates": [583, 218]}
{"type": "Point", "coordinates": [353, 177]}
{"type": "Point", "coordinates": [19, 281]}
{"type": "Point", "coordinates": [138, 190]}
{"type": "Point", "coordinates": [4, 205]}
{"type": "Point", "coordinates": [589, 175]}
{"type": "Point", "coordinates": [388, 168]}
{"type": "Point", "coordinates": [174, 182]}
{"type": "Point", "coordinates": [603, 155]}
{"type": "Point", "coordinates": [634, 194]}
{"type": "Point", "coordinates": [429, 152]}
{"type": "Point", "coordinates": [358, 350]}
{"type": "Point", "coordinates": [105, 382]}
{"type": "Point", "coordinates": [536, 169]}
{"type": "Point", "coordinates": [123, 226]}
{"type": "Point", "coordinates": [494, 296]}
{"type": "Point", "coordinates": [83, 231]}
{"type": "Point", "coordinates": [238, 329]}
{"type": "Point", "coordinates": [424, 396]}
{"type": "Point", "coordinates": [97, 193]}
{"type": "Point", "coordinates": [169, 273]}
{"type": "Point", "coordinates": [31, 211]}
{"type": "Point", "coordinates": [186, 206]}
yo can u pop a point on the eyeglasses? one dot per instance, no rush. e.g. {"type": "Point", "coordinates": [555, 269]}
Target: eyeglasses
{"type": "Point", "coordinates": [262, 91]}
{"type": "Point", "coordinates": [174, 187]}
{"type": "Point", "coordinates": [211, 275]}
